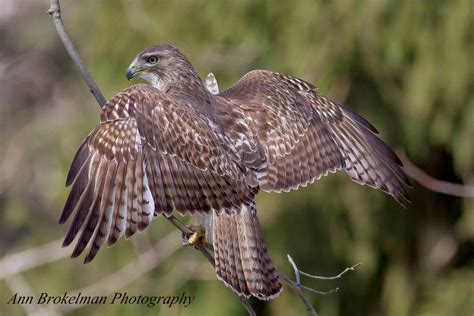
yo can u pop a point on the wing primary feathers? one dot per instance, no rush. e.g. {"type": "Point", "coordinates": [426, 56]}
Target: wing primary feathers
{"type": "Point", "coordinates": [120, 205]}
{"type": "Point", "coordinates": [153, 185]}
{"type": "Point", "coordinates": [81, 213]}
{"type": "Point", "coordinates": [106, 211]}
{"type": "Point", "coordinates": [147, 201]}
{"type": "Point", "coordinates": [79, 161]}
{"type": "Point", "coordinates": [76, 192]}
{"type": "Point", "coordinates": [385, 178]}
{"type": "Point", "coordinates": [132, 212]}
{"type": "Point", "coordinates": [84, 203]}
{"type": "Point", "coordinates": [94, 211]}
{"type": "Point", "coordinates": [139, 192]}
{"type": "Point", "coordinates": [356, 117]}
{"type": "Point", "coordinates": [385, 155]}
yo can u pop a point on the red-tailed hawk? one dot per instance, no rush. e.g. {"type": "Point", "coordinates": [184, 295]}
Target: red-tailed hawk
{"type": "Point", "coordinates": [173, 145]}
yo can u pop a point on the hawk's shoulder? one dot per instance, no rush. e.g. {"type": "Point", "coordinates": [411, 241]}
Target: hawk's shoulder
{"type": "Point", "coordinates": [258, 80]}
{"type": "Point", "coordinates": [131, 100]}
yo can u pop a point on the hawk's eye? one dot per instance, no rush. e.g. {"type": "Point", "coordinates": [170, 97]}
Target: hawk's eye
{"type": "Point", "coordinates": [152, 60]}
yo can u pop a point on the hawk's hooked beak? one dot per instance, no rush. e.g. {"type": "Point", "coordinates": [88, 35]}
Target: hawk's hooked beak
{"type": "Point", "coordinates": [132, 70]}
{"type": "Point", "coordinates": [130, 73]}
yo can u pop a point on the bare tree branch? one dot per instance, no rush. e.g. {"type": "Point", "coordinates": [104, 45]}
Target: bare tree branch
{"type": "Point", "coordinates": [55, 12]}
{"type": "Point", "coordinates": [433, 184]}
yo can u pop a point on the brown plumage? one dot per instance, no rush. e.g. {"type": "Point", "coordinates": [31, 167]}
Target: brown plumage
{"type": "Point", "coordinates": [241, 256]}
{"type": "Point", "coordinates": [173, 145]}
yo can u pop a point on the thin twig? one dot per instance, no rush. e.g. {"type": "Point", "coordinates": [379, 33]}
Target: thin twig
{"type": "Point", "coordinates": [297, 272]}
{"type": "Point", "coordinates": [435, 185]}
{"type": "Point", "coordinates": [297, 289]}
{"type": "Point", "coordinates": [55, 12]}
{"type": "Point", "coordinates": [323, 293]}
{"type": "Point", "coordinates": [317, 277]}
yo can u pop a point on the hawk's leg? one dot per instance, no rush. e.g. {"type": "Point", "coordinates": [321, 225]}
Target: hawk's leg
{"type": "Point", "coordinates": [198, 237]}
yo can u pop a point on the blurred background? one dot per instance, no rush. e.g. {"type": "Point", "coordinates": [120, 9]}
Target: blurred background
{"type": "Point", "coordinates": [404, 65]}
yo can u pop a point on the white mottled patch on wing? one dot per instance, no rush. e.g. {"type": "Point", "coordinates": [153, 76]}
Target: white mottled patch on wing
{"type": "Point", "coordinates": [211, 84]}
{"type": "Point", "coordinates": [138, 142]}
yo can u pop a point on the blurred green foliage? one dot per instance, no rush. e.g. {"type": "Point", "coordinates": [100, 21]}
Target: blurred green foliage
{"type": "Point", "coordinates": [404, 65]}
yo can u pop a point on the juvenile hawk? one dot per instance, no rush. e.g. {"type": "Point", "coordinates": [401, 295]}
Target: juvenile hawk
{"type": "Point", "coordinates": [173, 145]}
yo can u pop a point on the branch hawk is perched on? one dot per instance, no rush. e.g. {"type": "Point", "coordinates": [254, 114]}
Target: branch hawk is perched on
{"type": "Point", "coordinates": [174, 145]}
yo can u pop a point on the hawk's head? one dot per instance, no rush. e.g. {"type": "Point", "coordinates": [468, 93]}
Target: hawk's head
{"type": "Point", "coordinates": [160, 65]}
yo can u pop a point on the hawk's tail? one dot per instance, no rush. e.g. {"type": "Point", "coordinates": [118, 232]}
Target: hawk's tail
{"type": "Point", "coordinates": [242, 260]}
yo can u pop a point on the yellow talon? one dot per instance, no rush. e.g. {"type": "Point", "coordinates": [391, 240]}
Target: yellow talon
{"type": "Point", "coordinates": [198, 236]}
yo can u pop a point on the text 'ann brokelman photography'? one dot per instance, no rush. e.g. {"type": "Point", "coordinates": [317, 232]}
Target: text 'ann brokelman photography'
{"type": "Point", "coordinates": [120, 298]}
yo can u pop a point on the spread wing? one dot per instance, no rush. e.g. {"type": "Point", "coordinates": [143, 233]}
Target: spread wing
{"type": "Point", "coordinates": [305, 136]}
{"type": "Point", "coordinates": [149, 155]}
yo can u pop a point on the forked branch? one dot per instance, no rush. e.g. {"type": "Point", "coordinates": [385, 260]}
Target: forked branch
{"type": "Point", "coordinates": [298, 288]}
